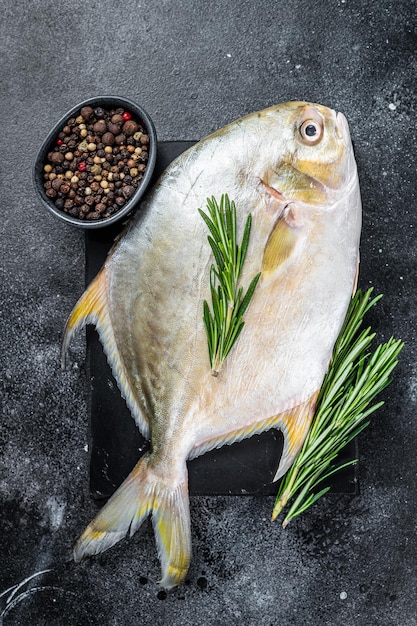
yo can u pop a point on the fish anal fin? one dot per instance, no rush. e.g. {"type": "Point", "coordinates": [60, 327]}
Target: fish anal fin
{"type": "Point", "coordinates": [355, 280]}
{"type": "Point", "coordinates": [140, 494]}
{"type": "Point", "coordinates": [293, 423]}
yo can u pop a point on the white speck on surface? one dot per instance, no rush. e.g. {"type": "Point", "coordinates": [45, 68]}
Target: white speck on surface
{"type": "Point", "coordinates": [392, 106]}
{"type": "Point", "coordinates": [56, 506]}
{"type": "Point", "coordinates": [412, 388]}
{"type": "Point", "coordinates": [86, 447]}
{"type": "Point", "coordinates": [343, 595]}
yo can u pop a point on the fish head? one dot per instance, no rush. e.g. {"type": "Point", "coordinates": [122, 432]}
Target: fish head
{"type": "Point", "coordinates": [315, 163]}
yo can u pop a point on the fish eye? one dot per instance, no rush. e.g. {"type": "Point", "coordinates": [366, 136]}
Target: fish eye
{"type": "Point", "coordinates": [311, 132]}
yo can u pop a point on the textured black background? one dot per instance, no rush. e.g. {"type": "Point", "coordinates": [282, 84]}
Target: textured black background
{"type": "Point", "coordinates": [195, 67]}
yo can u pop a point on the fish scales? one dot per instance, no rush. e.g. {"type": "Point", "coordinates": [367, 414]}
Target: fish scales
{"type": "Point", "coordinates": [292, 168]}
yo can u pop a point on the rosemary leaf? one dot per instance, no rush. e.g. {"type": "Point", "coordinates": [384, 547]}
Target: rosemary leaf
{"type": "Point", "coordinates": [245, 302]}
{"type": "Point", "coordinates": [228, 301]}
{"type": "Point", "coordinates": [346, 400]}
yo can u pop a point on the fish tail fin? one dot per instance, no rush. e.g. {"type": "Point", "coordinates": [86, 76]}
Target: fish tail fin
{"type": "Point", "coordinates": [143, 493]}
{"type": "Point", "coordinates": [294, 425]}
{"type": "Point", "coordinates": [91, 307]}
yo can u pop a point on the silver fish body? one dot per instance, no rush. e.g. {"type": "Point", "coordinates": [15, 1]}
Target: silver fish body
{"type": "Point", "coordinates": [292, 167]}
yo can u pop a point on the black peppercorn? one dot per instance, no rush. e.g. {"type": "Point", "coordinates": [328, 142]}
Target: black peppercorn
{"type": "Point", "coordinates": [120, 139]}
{"type": "Point", "coordinates": [114, 128]}
{"type": "Point", "coordinates": [108, 139]}
{"type": "Point", "coordinates": [57, 158]}
{"type": "Point", "coordinates": [86, 112]}
{"type": "Point", "coordinates": [128, 191]}
{"type": "Point", "coordinates": [56, 183]}
{"type": "Point", "coordinates": [100, 127]}
{"type": "Point", "coordinates": [130, 127]}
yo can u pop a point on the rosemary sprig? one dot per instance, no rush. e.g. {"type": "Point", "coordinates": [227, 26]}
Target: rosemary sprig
{"type": "Point", "coordinates": [355, 377]}
{"type": "Point", "coordinates": [224, 325]}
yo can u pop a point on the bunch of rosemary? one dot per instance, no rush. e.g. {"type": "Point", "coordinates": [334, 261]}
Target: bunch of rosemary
{"type": "Point", "coordinates": [225, 324]}
{"type": "Point", "coordinates": [355, 377]}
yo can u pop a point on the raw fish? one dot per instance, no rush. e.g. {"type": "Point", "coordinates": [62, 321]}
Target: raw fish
{"type": "Point", "coordinates": [292, 167]}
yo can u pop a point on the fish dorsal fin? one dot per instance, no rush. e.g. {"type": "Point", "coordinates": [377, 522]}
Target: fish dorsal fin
{"type": "Point", "coordinates": [93, 308]}
{"type": "Point", "coordinates": [283, 240]}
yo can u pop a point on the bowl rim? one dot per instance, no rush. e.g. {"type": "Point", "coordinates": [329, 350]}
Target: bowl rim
{"type": "Point", "coordinates": [106, 101]}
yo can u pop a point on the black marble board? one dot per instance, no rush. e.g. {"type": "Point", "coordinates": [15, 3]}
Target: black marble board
{"type": "Point", "coordinates": [246, 467]}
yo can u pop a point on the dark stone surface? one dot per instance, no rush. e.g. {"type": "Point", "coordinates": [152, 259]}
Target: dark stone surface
{"type": "Point", "coordinates": [195, 67]}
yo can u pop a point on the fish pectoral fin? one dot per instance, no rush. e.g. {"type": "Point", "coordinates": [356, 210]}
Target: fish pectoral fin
{"type": "Point", "coordinates": [283, 239]}
{"type": "Point", "coordinates": [138, 496]}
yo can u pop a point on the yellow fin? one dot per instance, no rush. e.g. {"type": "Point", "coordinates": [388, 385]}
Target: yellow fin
{"type": "Point", "coordinates": [294, 424]}
{"type": "Point", "coordinates": [90, 308]}
{"type": "Point", "coordinates": [279, 247]}
{"type": "Point", "coordinates": [143, 493]}
{"type": "Point", "coordinates": [355, 280]}
{"type": "Point", "coordinates": [171, 523]}
{"type": "Point", "coordinates": [93, 308]}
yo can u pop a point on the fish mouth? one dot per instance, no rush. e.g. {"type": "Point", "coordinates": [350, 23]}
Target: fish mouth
{"type": "Point", "coordinates": [277, 195]}
{"type": "Point", "coordinates": [289, 185]}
